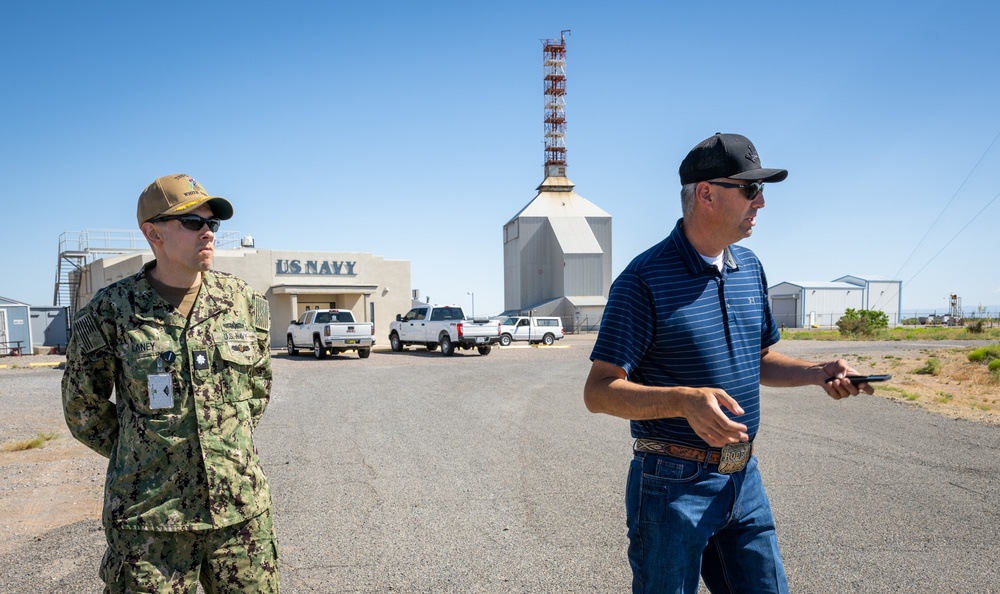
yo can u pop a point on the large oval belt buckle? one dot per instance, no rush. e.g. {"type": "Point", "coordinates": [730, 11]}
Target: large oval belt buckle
{"type": "Point", "coordinates": [734, 457]}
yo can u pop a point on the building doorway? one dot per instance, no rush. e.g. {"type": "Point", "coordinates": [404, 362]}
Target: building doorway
{"type": "Point", "coordinates": [305, 306]}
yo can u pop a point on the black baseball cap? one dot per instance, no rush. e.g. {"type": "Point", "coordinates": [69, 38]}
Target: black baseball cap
{"type": "Point", "coordinates": [726, 155]}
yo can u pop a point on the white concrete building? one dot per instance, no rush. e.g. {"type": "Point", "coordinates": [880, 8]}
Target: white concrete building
{"type": "Point", "coordinates": [373, 288]}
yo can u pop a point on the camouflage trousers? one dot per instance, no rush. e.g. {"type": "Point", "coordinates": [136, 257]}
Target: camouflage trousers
{"type": "Point", "coordinates": [237, 559]}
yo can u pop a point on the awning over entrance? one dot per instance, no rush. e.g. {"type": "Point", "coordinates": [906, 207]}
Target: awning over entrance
{"type": "Point", "coordinates": [321, 289]}
{"type": "Point", "coordinates": [312, 294]}
{"type": "Point", "coordinates": [587, 300]}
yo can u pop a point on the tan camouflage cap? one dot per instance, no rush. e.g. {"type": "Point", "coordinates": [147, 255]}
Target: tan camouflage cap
{"type": "Point", "coordinates": [178, 194]}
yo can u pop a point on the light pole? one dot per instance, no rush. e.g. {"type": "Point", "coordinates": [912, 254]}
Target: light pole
{"type": "Point", "coordinates": [473, 293]}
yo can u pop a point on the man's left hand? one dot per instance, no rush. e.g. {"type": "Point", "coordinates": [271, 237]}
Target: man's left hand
{"type": "Point", "coordinates": [841, 387]}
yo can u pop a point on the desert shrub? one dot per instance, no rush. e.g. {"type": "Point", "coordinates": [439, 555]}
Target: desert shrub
{"type": "Point", "coordinates": [862, 322]}
{"type": "Point", "coordinates": [994, 368]}
{"type": "Point", "coordinates": [904, 393]}
{"type": "Point", "coordinates": [985, 354]}
{"type": "Point", "coordinates": [976, 327]}
{"type": "Point", "coordinates": [932, 367]}
{"type": "Point", "coordinates": [28, 444]}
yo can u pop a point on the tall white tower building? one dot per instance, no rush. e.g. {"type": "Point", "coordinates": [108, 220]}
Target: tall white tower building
{"type": "Point", "coordinates": [557, 249]}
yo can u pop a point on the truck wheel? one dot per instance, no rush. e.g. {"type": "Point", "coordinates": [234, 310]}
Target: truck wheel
{"type": "Point", "coordinates": [549, 339]}
{"type": "Point", "coordinates": [432, 346]}
{"type": "Point", "coordinates": [319, 351]}
{"type": "Point", "coordinates": [484, 350]}
{"type": "Point", "coordinates": [447, 346]}
{"type": "Point", "coordinates": [395, 343]}
{"type": "Point", "coordinates": [364, 353]}
{"type": "Point", "coordinates": [292, 351]}
{"type": "Point", "coordinates": [505, 340]}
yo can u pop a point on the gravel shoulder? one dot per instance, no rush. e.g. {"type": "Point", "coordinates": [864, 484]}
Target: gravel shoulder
{"type": "Point", "coordinates": [960, 389]}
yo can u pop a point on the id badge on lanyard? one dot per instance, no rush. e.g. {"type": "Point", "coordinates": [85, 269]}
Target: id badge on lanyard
{"type": "Point", "coordinates": [161, 385]}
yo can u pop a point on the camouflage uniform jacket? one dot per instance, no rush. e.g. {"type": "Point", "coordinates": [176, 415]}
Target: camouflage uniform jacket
{"type": "Point", "coordinates": [193, 466]}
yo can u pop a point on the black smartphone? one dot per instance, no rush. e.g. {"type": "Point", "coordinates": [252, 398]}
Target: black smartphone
{"type": "Point", "coordinates": [858, 379]}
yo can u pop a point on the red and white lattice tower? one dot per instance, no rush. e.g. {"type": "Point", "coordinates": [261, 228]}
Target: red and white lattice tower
{"type": "Point", "coordinates": [554, 62]}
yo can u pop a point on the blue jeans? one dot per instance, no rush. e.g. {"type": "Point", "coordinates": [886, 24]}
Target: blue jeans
{"type": "Point", "coordinates": [685, 519]}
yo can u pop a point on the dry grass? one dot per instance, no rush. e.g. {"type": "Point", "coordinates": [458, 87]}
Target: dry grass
{"type": "Point", "coordinates": [991, 332]}
{"type": "Point", "coordinates": [28, 444]}
{"type": "Point", "coordinates": [959, 388]}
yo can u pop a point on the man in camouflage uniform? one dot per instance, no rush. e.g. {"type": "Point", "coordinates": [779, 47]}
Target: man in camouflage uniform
{"type": "Point", "coordinates": [186, 352]}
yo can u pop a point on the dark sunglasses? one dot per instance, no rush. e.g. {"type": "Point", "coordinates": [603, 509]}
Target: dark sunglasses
{"type": "Point", "coordinates": [751, 190]}
{"type": "Point", "coordinates": [191, 222]}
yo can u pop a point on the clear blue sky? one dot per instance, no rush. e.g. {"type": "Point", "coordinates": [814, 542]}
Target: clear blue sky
{"type": "Point", "coordinates": [336, 126]}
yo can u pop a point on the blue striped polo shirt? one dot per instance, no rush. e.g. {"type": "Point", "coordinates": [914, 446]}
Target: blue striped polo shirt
{"type": "Point", "coordinates": [672, 319]}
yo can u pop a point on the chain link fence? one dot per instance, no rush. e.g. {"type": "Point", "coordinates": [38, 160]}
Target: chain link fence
{"type": "Point", "coordinates": [988, 319]}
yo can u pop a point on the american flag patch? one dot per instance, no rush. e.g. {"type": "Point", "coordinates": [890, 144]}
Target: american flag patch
{"type": "Point", "coordinates": [261, 314]}
{"type": "Point", "coordinates": [85, 329]}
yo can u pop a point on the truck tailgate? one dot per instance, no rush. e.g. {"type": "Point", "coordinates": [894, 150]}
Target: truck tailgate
{"type": "Point", "coordinates": [476, 329]}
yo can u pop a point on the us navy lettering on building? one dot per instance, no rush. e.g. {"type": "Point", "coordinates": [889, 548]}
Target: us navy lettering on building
{"type": "Point", "coordinates": [318, 267]}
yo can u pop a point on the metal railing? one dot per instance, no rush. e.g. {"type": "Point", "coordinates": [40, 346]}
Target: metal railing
{"type": "Point", "coordinates": [118, 241]}
{"type": "Point", "coordinates": [77, 249]}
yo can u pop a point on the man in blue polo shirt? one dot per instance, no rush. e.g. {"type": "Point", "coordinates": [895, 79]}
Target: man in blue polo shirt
{"type": "Point", "coordinates": [685, 344]}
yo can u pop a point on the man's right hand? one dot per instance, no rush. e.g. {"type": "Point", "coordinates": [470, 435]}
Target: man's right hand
{"type": "Point", "coordinates": [608, 391]}
{"type": "Point", "coordinates": [702, 407]}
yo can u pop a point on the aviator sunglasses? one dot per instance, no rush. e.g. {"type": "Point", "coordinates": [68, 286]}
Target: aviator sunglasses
{"type": "Point", "coordinates": [751, 190]}
{"type": "Point", "coordinates": [191, 222]}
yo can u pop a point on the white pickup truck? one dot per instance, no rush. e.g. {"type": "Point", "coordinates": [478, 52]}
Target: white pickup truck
{"type": "Point", "coordinates": [531, 328]}
{"type": "Point", "coordinates": [445, 326]}
{"type": "Point", "coordinates": [330, 331]}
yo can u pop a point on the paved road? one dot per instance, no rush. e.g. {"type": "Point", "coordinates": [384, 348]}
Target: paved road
{"type": "Point", "coordinates": [412, 472]}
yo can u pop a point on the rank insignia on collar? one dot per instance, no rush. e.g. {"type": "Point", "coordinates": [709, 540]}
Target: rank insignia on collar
{"type": "Point", "coordinates": [200, 359]}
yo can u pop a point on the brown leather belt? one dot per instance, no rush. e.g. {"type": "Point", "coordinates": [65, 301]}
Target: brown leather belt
{"type": "Point", "coordinates": [731, 458]}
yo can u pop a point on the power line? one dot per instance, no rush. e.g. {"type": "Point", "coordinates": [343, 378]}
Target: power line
{"type": "Point", "coordinates": [953, 238]}
{"type": "Point", "coordinates": [965, 182]}
{"type": "Point", "coordinates": [955, 195]}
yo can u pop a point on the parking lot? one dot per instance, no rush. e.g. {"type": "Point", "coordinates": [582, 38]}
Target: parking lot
{"type": "Point", "coordinates": [414, 472]}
